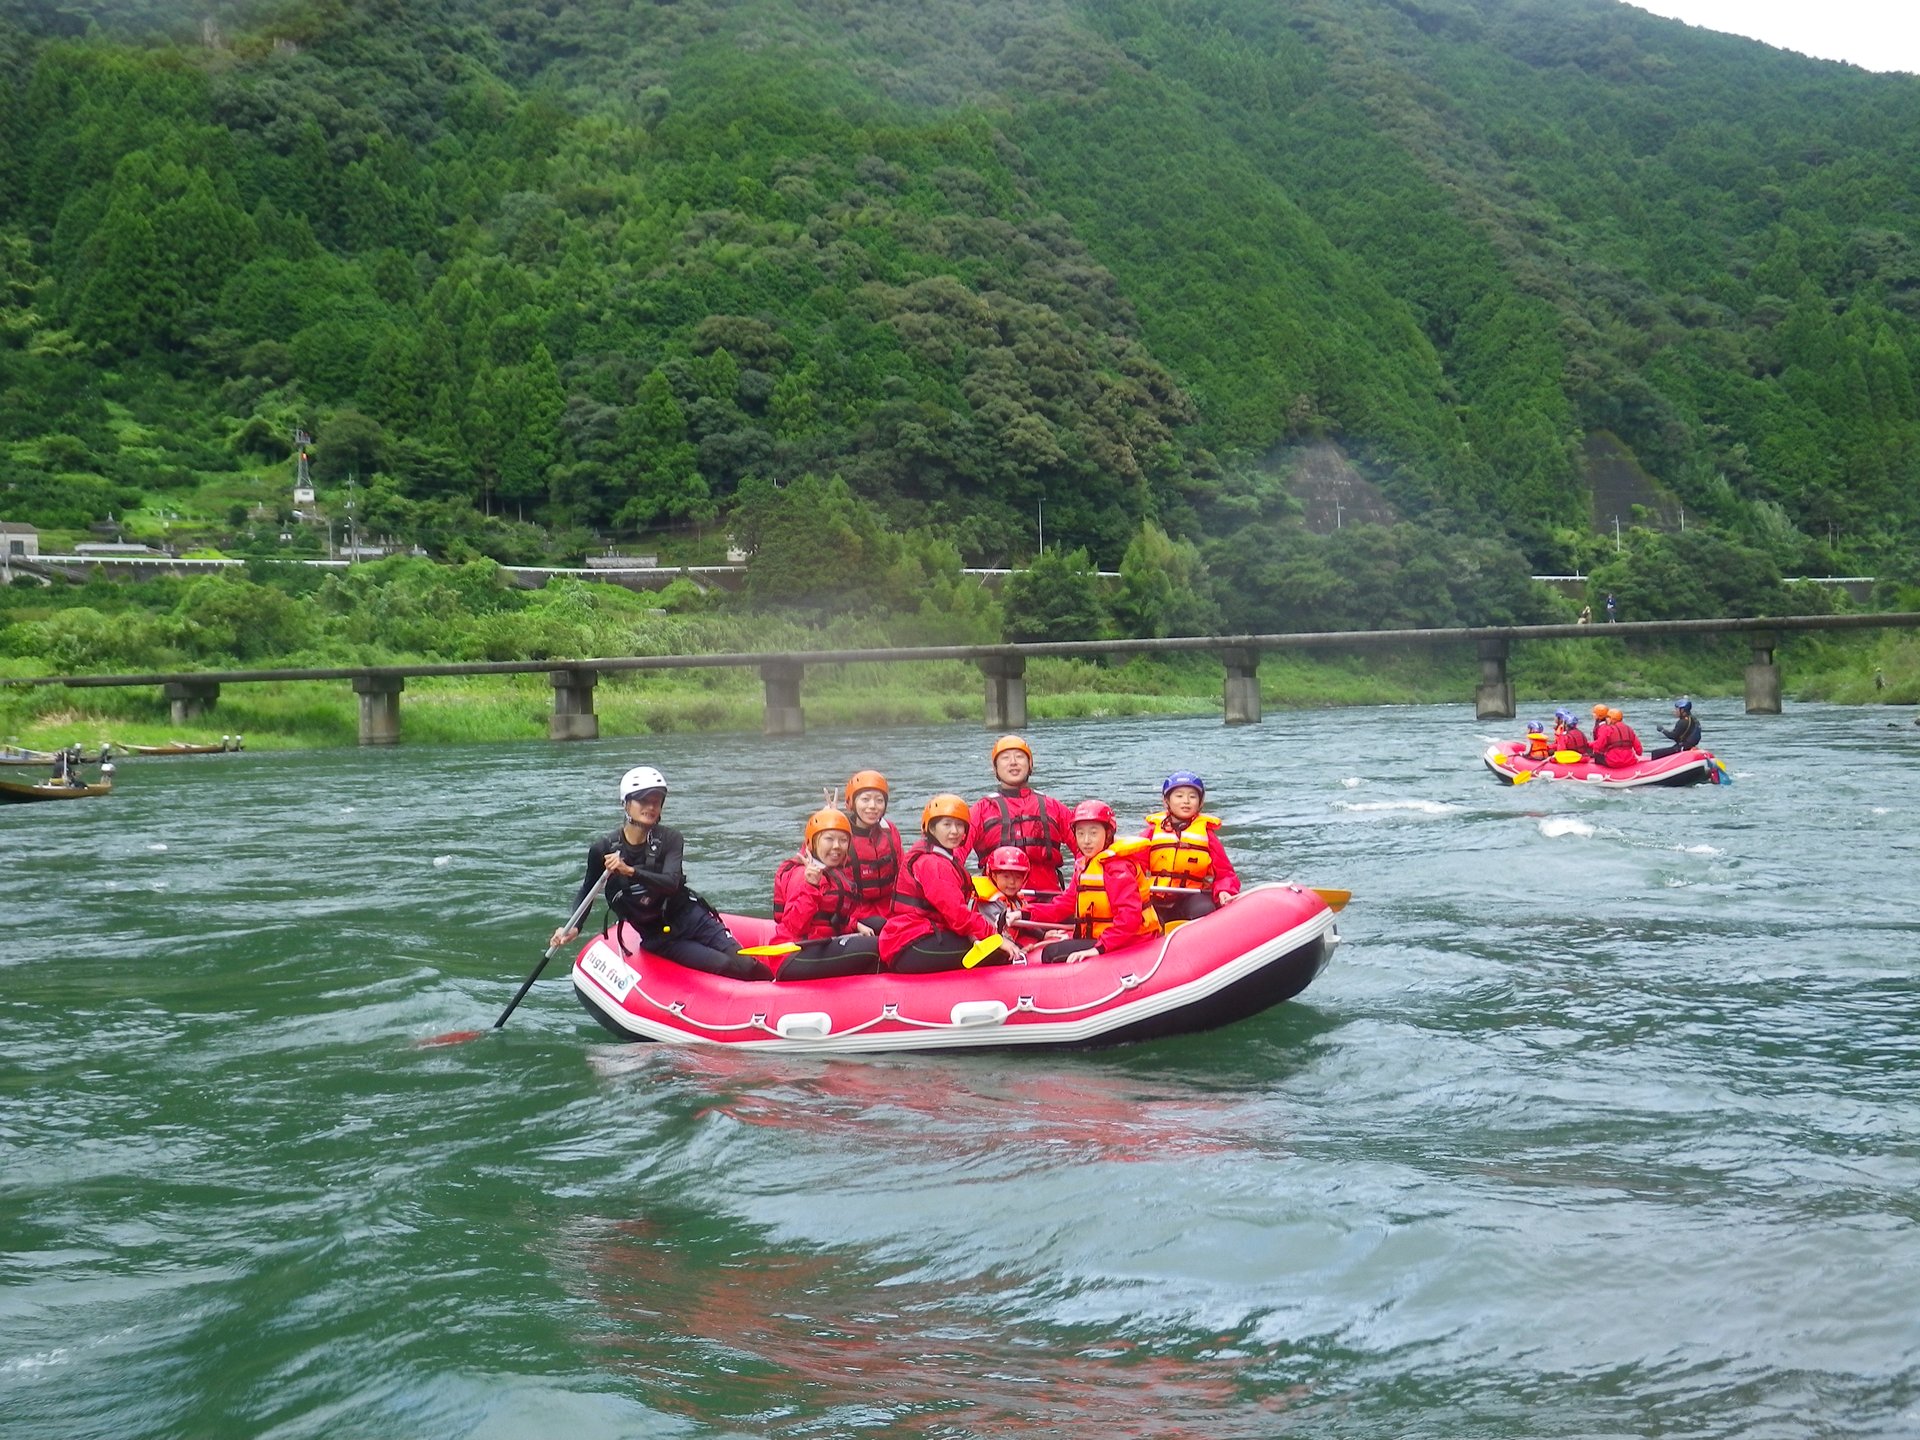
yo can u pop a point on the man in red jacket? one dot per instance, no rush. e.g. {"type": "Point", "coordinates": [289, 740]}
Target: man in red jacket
{"type": "Point", "coordinates": [1022, 817]}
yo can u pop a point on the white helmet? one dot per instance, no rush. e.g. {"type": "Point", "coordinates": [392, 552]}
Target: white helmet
{"type": "Point", "coordinates": [640, 779]}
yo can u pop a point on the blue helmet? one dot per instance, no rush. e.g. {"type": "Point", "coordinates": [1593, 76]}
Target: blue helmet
{"type": "Point", "coordinates": [1565, 717]}
{"type": "Point", "coordinates": [1182, 777]}
{"type": "Point", "coordinates": [1683, 705]}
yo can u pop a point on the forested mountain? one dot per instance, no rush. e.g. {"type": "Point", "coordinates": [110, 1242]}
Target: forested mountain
{"type": "Point", "coordinates": [825, 273]}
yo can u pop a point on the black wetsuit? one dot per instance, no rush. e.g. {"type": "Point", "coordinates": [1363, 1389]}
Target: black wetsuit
{"type": "Point", "coordinates": [1685, 735]}
{"type": "Point", "coordinates": [674, 923]}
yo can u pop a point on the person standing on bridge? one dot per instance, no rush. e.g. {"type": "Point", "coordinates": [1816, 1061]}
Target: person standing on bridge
{"type": "Point", "coordinates": [1613, 617]}
{"type": "Point", "coordinates": [1022, 817]}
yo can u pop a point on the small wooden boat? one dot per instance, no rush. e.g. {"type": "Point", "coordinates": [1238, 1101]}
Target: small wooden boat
{"type": "Point", "coordinates": [42, 758]}
{"type": "Point", "coordinates": [18, 792]}
{"type": "Point", "coordinates": [181, 747]}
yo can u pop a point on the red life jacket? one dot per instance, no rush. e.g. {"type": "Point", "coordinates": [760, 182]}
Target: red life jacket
{"type": "Point", "coordinates": [908, 892]}
{"type": "Point", "coordinates": [837, 898]}
{"type": "Point", "coordinates": [1022, 822]}
{"type": "Point", "coordinates": [874, 865]}
{"type": "Point", "coordinates": [1571, 737]}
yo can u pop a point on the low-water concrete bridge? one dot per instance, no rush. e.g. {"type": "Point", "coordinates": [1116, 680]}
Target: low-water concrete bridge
{"type": "Point", "coordinates": [193, 693]}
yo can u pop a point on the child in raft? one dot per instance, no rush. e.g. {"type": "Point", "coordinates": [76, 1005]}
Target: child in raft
{"type": "Point", "coordinates": [997, 893]}
{"type": "Point", "coordinates": [934, 924]}
{"type": "Point", "coordinates": [1110, 902]}
{"type": "Point", "coordinates": [1567, 735]}
{"type": "Point", "coordinates": [1188, 865]}
{"type": "Point", "coordinates": [814, 899]}
{"type": "Point", "coordinates": [1539, 747]}
{"type": "Point", "coordinates": [874, 862]}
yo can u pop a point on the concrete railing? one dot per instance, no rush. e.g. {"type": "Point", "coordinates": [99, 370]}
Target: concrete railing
{"type": "Point", "coordinates": [1003, 668]}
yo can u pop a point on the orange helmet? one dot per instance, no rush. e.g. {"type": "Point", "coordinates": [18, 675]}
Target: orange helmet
{"type": "Point", "coordinates": [822, 821]}
{"type": "Point", "coordinates": [865, 780]}
{"type": "Point", "coordinates": [1010, 742]}
{"type": "Point", "coordinates": [1009, 857]}
{"type": "Point", "coordinates": [1599, 712]}
{"type": "Point", "coordinates": [945, 807]}
{"type": "Point", "coordinates": [1615, 716]}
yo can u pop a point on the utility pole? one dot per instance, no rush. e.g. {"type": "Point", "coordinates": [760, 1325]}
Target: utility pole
{"type": "Point", "coordinates": [1041, 511]}
{"type": "Point", "coordinates": [1616, 534]}
{"type": "Point", "coordinates": [1336, 512]}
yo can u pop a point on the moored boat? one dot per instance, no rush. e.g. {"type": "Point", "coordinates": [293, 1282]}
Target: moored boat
{"type": "Point", "coordinates": [1510, 764]}
{"type": "Point", "coordinates": [14, 792]}
{"type": "Point", "coordinates": [181, 747]}
{"type": "Point", "coordinates": [1265, 947]}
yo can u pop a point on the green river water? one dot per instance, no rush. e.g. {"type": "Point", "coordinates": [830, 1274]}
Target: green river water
{"type": "Point", "coordinates": [1603, 1121]}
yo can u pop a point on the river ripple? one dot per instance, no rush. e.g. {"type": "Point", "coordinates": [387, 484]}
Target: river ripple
{"type": "Point", "coordinates": [1603, 1122]}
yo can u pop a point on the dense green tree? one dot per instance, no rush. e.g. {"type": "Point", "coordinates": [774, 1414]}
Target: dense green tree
{"type": "Point", "coordinates": [1055, 598]}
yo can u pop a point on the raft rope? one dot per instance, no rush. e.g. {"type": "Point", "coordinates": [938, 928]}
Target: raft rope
{"type": "Point", "coordinates": [890, 1010]}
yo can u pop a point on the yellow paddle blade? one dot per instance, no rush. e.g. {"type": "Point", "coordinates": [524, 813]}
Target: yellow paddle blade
{"type": "Point", "coordinates": [769, 950]}
{"type": "Point", "coordinates": [1336, 899]}
{"type": "Point", "coordinates": [1520, 777]}
{"type": "Point", "coordinates": [1567, 757]}
{"type": "Point", "coordinates": [981, 949]}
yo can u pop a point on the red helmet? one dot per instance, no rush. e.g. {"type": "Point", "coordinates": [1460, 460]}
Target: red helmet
{"type": "Point", "coordinates": [1008, 857]}
{"type": "Point", "coordinates": [1090, 810]}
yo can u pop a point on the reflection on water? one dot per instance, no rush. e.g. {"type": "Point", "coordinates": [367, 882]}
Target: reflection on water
{"type": "Point", "coordinates": [1601, 1121]}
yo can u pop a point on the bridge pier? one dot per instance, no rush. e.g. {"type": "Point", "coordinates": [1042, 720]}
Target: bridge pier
{"type": "Point", "coordinates": [782, 679]}
{"type": "Point", "coordinates": [1006, 691]}
{"type": "Point", "coordinates": [379, 708]}
{"type": "Point", "coordinates": [1763, 676]}
{"type": "Point", "coordinates": [1493, 700]}
{"type": "Point", "coordinates": [573, 717]}
{"type": "Point", "coordinates": [1240, 702]}
{"type": "Point", "coordinates": [189, 699]}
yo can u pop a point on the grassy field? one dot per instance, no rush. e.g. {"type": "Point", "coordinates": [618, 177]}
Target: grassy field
{"type": "Point", "coordinates": [293, 715]}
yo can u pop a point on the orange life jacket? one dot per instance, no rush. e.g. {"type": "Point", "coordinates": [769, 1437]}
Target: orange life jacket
{"type": "Point", "coordinates": [1181, 858]}
{"type": "Point", "coordinates": [1093, 909]}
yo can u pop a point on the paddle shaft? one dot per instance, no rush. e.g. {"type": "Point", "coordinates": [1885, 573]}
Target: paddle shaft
{"type": "Point", "coordinates": [572, 924]}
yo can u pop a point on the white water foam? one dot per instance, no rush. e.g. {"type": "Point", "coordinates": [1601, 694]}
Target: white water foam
{"type": "Point", "coordinates": [1698, 850]}
{"type": "Point", "coordinates": [157, 848]}
{"type": "Point", "coordinates": [1354, 782]}
{"type": "Point", "coordinates": [1556, 825]}
{"type": "Point", "coordinates": [440, 862]}
{"type": "Point", "coordinates": [1423, 807]}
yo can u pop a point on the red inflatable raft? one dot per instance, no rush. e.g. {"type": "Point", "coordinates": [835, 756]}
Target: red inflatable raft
{"type": "Point", "coordinates": [1509, 763]}
{"type": "Point", "coordinates": [1263, 948]}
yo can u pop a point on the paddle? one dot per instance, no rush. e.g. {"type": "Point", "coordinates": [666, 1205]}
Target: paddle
{"type": "Point", "coordinates": [981, 949]}
{"type": "Point", "coordinates": [774, 951]}
{"type": "Point", "coordinates": [1567, 757]}
{"type": "Point", "coordinates": [460, 1037]}
{"type": "Point", "coordinates": [1336, 899]}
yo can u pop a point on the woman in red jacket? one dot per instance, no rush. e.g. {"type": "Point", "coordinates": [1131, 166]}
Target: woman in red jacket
{"type": "Point", "coordinates": [934, 924]}
{"type": "Point", "coordinates": [875, 860]}
{"type": "Point", "coordinates": [814, 899]}
{"type": "Point", "coordinates": [1109, 903]}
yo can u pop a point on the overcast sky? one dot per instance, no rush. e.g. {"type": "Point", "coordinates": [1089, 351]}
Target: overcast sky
{"type": "Point", "coordinates": [1876, 34]}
